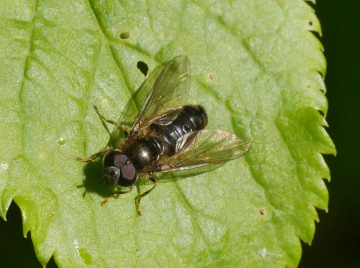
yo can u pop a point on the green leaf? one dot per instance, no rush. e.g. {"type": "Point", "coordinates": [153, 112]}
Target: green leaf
{"type": "Point", "coordinates": [255, 67]}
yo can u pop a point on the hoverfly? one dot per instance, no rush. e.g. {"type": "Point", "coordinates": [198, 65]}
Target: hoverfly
{"type": "Point", "coordinates": [166, 136]}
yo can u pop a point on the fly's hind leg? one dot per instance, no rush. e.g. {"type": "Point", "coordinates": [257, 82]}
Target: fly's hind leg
{"type": "Point", "coordinates": [111, 122]}
{"type": "Point", "coordinates": [94, 156]}
{"type": "Point", "coordinates": [137, 201]}
{"type": "Point", "coordinates": [114, 193]}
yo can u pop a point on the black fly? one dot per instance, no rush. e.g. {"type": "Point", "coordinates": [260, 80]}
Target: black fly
{"type": "Point", "coordinates": [167, 135]}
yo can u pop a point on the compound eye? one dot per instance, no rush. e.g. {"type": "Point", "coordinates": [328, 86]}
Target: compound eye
{"type": "Point", "coordinates": [128, 175]}
{"type": "Point", "coordinates": [111, 175]}
{"type": "Point", "coordinates": [115, 158]}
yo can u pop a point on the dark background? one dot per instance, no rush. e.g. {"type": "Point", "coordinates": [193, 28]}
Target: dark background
{"type": "Point", "coordinates": [337, 238]}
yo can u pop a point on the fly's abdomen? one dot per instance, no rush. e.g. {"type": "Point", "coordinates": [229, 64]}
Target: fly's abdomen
{"type": "Point", "coordinates": [191, 118]}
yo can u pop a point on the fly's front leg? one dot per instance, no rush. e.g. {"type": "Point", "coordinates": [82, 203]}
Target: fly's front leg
{"type": "Point", "coordinates": [114, 193]}
{"type": "Point", "coordinates": [94, 156]}
{"type": "Point", "coordinates": [137, 201]}
{"type": "Point", "coordinates": [111, 122]}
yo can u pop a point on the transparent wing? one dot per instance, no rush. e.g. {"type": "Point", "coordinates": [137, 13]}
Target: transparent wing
{"type": "Point", "coordinates": [136, 101]}
{"type": "Point", "coordinates": [169, 92]}
{"type": "Point", "coordinates": [206, 147]}
{"type": "Point", "coordinates": [132, 108]}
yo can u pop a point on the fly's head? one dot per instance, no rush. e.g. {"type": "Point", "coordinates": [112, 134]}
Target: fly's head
{"type": "Point", "coordinates": [118, 169]}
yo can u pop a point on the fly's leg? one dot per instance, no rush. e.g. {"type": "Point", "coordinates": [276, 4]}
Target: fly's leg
{"type": "Point", "coordinates": [111, 122]}
{"type": "Point", "coordinates": [114, 193]}
{"type": "Point", "coordinates": [94, 156]}
{"type": "Point", "coordinates": [137, 201]}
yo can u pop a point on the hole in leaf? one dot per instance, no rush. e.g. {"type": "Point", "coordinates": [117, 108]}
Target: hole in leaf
{"type": "Point", "coordinates": [142, 66]}
{"type": "Point", "coordinates": [124, 35]}
{"type": "Point", "coordinates": [310, 23]}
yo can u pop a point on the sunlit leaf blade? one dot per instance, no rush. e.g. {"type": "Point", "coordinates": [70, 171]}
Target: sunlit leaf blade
{"type": "Point", "coordinates": [255, 67]}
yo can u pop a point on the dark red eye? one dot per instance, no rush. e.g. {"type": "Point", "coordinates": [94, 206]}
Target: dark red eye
{"type": "Point", "coordinates": [116, 159]}
{"type": "Point", "coordinates": [128, 175]}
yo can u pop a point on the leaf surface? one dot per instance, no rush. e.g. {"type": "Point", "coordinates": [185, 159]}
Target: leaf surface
{"type": "Point", "coordinates": [255, 67]}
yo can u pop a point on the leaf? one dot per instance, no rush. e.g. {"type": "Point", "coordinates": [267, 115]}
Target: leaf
{"type": "Point", "coordinates": [255, 67]}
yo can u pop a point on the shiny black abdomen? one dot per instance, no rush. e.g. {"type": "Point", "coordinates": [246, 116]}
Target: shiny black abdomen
{"type": "Point", "coordinates": [191, 118]}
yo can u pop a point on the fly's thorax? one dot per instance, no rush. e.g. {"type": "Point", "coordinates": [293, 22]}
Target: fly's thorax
{"type": "Point", "coordinates": [144, 152]}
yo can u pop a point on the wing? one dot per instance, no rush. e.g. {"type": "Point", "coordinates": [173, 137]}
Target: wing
{"type": "Point", "coordinates": [205, 147]}
{"type": "Point", "coordinates": [169, 92]}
